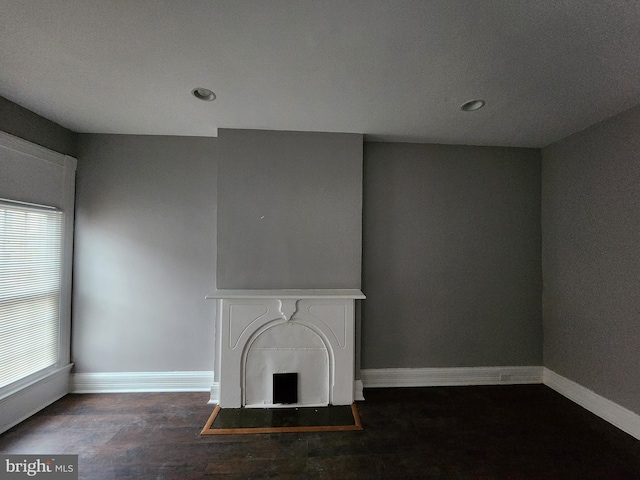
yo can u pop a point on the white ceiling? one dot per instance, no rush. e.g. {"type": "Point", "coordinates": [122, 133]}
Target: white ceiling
{"type": "Point", "coordinates": [395, 70]}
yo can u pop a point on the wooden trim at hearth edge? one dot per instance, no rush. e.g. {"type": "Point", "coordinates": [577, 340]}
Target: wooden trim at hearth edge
{"type": "Point", "coordinates": [440, 377]}
{"type": "Point", "coordinates": [207, 430]}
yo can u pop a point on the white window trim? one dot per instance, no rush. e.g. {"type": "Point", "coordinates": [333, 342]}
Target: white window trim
{"type": "Point", "coordinates": [23, 398]}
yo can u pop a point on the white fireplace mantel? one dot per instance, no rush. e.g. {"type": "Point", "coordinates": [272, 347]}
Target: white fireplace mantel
{"type": "Point", "coordinates": [353, 294]}
{"type": "Point", "coordinates": [307, 331]}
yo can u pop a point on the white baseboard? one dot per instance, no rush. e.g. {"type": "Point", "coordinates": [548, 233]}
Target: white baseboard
{"type": "Point", "coordinates": [434, 377]}
{"type": "Point", "coordinates": [120, 382]}
{"type": "Point", "coordinates": [215, 393]}
{"type": "Point", "coordinates": [19, 405]}
{"type": "Point", "coordinates": [357, 390]}
{"type": "Point", "coordinates": [615, 414]}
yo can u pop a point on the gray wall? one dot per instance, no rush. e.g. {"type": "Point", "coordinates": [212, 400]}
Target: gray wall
{"type": "Point", "coordinates": [25, 124]}
{"type": "Point", "coordinates": [451, 264]}
{"type": "Point", "coordinates": [289, 209]}
{"type": "Point", "coordinates": [591, 258]}
{"type": "Point", "coordinates": [144, 254]}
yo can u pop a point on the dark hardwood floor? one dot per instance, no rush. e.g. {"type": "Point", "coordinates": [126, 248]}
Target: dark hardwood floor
{"type": "Point", "coordinates": [496, 432]}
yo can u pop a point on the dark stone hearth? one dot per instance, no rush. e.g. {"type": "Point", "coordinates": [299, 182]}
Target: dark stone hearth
{"type": "Point", "coordinates": [284, 417]}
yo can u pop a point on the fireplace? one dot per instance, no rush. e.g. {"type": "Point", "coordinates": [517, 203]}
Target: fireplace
{"type": "Point", "coordinates": [263, 335]}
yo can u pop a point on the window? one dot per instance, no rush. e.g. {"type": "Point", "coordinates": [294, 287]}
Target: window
{"type": "Point", "coordinates": [30, 289]}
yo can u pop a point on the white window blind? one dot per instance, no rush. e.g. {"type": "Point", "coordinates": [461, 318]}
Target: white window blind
{"type": "Point", "coordinates": [30, 285]}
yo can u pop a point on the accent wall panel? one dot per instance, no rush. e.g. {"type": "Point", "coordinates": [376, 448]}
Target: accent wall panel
{"type": "Point", "coordinates": [289, 210]}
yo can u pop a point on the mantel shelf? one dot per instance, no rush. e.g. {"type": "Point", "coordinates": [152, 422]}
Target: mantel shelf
{"type": "Point", "coordinates": [288, 293]}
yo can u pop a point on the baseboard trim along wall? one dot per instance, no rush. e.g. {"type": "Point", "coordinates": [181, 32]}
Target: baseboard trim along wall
{"type": "Point", "coordinates": [615, 414]}
{"type": "Point", "coordinates": [214, 399]}
{"type": "Point", "coordinates": [19, 405]}
{"type": "Point", "coordinates": [358, 394]}
{"type": "Point", "coordinates": [440, 377]}
{"type": "Point", "coordinates": [122, 382]}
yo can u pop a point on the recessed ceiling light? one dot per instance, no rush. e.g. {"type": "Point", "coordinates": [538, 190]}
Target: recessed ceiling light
{"type": "Point", "coordinates": [472, 105]}
{"type": "Point", "coordinates": [203, 94]}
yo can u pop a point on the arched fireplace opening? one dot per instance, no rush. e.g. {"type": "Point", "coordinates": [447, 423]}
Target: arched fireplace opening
{"type": "Point", "coordinates": [286, 347]}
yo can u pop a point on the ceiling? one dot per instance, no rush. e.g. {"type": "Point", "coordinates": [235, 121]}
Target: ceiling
{"type": "Point", "coordinates": [394, 70]}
